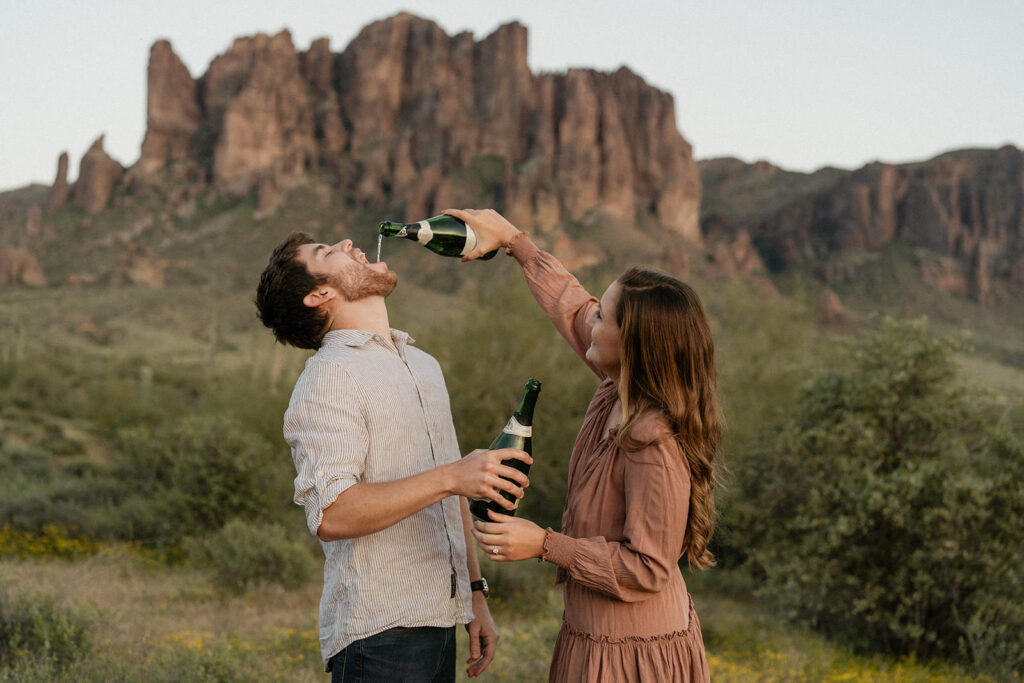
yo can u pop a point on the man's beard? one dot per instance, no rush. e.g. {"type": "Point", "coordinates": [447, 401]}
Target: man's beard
{"type": "Point", "coordinates": [360, 284]}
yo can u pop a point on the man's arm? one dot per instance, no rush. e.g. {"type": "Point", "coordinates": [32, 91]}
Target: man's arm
{"type": "Point", "coordinates": [365, 508]}
{"type": "Point", "coordinates": [483, 634]}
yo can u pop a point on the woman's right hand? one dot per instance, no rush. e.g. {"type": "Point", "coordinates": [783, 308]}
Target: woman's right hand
{"type": "Point", "coordinates": [481, 475]}
{"type": "Point", "coordinates": [493, 230]}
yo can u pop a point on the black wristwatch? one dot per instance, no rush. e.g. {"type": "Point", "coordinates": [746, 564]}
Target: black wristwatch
{"type": "Point", "coordinates": [481, 586]}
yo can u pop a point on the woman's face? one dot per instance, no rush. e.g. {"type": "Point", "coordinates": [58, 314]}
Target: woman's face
{"type": "Point", "coordinates": [604, 351]}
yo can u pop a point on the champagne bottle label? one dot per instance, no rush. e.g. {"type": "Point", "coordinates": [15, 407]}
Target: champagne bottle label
{"type": "Point", "coordinates": [425, 234]}
{"type": "Point", "coordinates": [401, 233]}
{"type": "Point", "coordinates": [513, 427]}
{"type": "Point", "coordinates": [470, 241]}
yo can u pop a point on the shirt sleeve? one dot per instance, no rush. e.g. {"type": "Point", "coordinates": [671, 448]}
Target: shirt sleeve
{"type": "Point", "coordinates": [563, 299]}
{"type": "Point", "coordinates": [657, 496]}
{"type": "Point", "coordinates": [325, 428]}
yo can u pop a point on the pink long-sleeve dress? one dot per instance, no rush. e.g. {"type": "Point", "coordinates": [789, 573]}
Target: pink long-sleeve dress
{"type": "Point", "coordinates": [628, 616]}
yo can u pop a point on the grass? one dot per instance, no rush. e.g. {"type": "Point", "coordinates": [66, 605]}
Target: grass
{"type": "Point", "coordinates": [160, 623]}
{"type": "Point", "coordinates": [746, 644]}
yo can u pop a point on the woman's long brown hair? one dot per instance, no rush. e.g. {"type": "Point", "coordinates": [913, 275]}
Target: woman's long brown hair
{"type": "Point", "coordinates": [668, 364]}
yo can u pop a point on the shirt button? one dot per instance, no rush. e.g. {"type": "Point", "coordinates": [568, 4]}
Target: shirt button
{"type": "Point", "coordinates": [319, 474]}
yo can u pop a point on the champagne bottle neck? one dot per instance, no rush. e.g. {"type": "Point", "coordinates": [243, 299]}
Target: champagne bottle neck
{"type": "Point", "coordinates": [392, 229]}
{"type": "Point", "coordinates": [524, 413]}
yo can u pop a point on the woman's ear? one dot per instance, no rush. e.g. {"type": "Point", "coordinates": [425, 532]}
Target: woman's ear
{"type": "Point", "coordinates": [318, 296]}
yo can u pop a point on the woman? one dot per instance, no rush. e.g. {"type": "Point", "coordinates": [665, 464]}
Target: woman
{"type": "Point", "coordinates": [641, 477]}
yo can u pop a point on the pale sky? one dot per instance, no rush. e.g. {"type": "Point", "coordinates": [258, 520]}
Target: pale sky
{"type": "Point", "coordinates": [803, 83]}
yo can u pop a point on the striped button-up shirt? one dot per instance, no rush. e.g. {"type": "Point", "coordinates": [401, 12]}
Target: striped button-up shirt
{"type": "Point", "coordinates": [366, 411]}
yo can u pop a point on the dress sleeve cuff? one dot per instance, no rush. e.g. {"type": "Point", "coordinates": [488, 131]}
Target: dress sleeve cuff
{"type": "Point", "coordinates": [558, 548]}
{"type": "Point", "coordinates": [522, 248]}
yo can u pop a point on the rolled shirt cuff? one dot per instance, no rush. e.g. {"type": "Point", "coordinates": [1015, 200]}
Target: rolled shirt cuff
{"type": "Point", "coordinates": [322, 499]}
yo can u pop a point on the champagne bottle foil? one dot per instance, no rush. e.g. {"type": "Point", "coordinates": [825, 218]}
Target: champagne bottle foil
{"type": "Point", "coordinates": [470, 241]}
{"type": "Point", "coordinates": [513, 427]}
{"type": "Point", "coordinates": [425, 234]}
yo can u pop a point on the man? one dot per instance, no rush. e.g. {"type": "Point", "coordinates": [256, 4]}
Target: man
{"type": "Point", "coordinates": [379, 472]}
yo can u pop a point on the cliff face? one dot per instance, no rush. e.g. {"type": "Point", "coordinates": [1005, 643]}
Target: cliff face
{"type": "Point", "coordinates": [965, 209]}
{"type": "Point", "coordinates": [59, 192]}
{"type": "Point", "coordinates": [172, 111]}
{"type": "Point", "coordinates": [407, 113]}
{"type": "Point", "coordinates": [98, 174]}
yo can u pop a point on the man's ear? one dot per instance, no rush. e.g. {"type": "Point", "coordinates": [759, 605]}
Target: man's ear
{"type": "Point", "coordinates": [321, 294]}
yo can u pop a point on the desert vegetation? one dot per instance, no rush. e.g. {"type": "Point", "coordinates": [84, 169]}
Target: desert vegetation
{"type": "Point", "coordinates": [870, 509]}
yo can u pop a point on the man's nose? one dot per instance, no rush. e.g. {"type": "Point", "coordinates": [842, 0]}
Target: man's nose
{"type": "Point", "coordinates": [344, 245]}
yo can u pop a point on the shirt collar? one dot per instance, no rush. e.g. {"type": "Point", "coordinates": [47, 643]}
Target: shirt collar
{"type": "Point", "coordinates": [358, 338]}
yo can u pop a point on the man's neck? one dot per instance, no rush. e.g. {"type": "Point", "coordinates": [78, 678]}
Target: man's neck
{"type": "Point", "coordinates": [369, 314]}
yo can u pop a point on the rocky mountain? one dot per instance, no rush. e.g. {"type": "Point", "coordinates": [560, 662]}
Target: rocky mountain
{"type": "Point", "coordinates": [407, 118]}
{"type": "Point", "coordinates": [963, 212]}
{"type": "Point", "coordinates": [409, 114]}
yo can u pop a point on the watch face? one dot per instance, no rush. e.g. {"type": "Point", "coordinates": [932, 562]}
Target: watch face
{"type": "Point", "coordinates": [485, 589]}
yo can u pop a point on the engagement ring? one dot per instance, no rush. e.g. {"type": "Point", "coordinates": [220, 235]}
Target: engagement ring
{"type": "Point", "coordinates": [494, 550]}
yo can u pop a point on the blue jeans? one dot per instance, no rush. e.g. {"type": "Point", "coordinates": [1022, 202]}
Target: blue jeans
{"type": "Point", "coordinates": [407, 655]}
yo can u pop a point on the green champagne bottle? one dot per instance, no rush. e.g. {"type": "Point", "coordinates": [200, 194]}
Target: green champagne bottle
{"type": "Point", "coordinates": [444, 235]}
{"type": "Point", "coordinates": [518, 433]}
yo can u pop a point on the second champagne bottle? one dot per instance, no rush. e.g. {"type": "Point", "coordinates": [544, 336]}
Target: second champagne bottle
{"type": "Point", "coordinates": [445, 235]}
{"type": "Point", "coordinates": [518, 433]}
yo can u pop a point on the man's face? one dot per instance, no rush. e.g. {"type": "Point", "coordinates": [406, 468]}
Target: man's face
{"type": "Point", "coordinates": [348, 270]}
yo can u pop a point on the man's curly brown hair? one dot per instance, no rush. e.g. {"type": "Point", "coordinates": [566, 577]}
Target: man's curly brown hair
{"type": "Point", "coordinates": [283, 285]}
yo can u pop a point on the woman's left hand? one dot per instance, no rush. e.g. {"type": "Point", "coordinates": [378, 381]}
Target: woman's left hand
{"type": "Point", "coordinates": [512, 537]}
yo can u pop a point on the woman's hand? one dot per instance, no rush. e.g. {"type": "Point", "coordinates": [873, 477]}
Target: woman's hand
{"type": "Point", "coordinates": [513, 537]}
{"type": "Point", "coordinates": [492, 230]}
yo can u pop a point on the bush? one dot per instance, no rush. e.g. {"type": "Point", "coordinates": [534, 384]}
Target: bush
{"type": "Point", "coordinates": [765, 351]}
{"type": "Point", "coordinates": [886, 510]}
{"type": "Point", "coordinates": [194, 476]}
{"type": "Point", "coordinates": [243, 554]}
{"type": "Point", "coordinates": [38, 633]}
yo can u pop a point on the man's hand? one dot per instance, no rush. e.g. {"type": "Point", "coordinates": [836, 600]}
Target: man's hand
{"type": "Point", "coordinates": [481, 475]}
{"type": "Point", "coordinates": [483, 637]}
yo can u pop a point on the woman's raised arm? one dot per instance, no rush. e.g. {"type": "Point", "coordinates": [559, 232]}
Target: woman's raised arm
{"type": "Point", "coordinates": [563, 299]}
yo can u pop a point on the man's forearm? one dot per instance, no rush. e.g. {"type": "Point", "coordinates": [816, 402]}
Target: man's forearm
{"type": "Point", "coordinates": [365, 508]}
{"type": "Point", "coordinates": [472, 561]}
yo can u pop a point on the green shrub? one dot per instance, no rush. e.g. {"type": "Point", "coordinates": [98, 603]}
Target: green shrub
{"type": "Point", "coordinates": [765, 351]}
{"type": "Point", "coordinates": [33, 512]}
{"type": "Point", "coordinates": [37, 632]}
{"type": "Point", "coordinates": [192, 477]}
{"type": "Point", "coordinates": [886, 510]}
{"type": "Point", "coordinates": [243, 554]}
{"type": "Point", "coordinates": [22, 468]}
{"type": "Point", "coordinates": [35, 381]}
